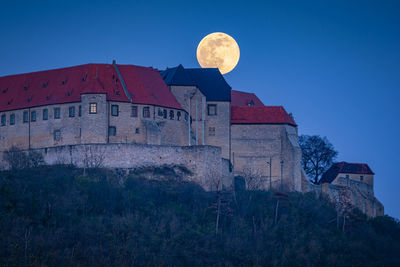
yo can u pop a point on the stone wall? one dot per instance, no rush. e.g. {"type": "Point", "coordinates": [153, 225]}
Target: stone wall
{"type": "Point", "coordinates": [255, 145]}
{"type": "Point", "coordinates": [203, 161]}
{"type": "Point", "coordinates": [358, 194]}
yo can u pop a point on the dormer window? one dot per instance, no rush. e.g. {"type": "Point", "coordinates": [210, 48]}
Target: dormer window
{"type": "Point", "coordinates": [251, 103]}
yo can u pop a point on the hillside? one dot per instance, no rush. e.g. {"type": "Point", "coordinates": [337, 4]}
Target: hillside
{"type": "Point", "coordinates": [56, 216]}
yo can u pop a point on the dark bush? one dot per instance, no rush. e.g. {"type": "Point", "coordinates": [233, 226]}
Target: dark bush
{"type": "Point", "coordinates": [55, 216]}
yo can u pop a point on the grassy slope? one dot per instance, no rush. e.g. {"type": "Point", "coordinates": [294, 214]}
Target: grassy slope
{"type": "Point", "coordinates": [56, 216]}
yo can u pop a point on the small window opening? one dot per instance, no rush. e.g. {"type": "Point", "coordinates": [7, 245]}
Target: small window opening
{"type": "Point", "coordinates": [146, 112]}
{"type": "Point", "coordinates": [92, 108]}
{"type": "Point", "coordinates": [57, 135]}
{"type": "Point", "coordinates": [114, 110]}
{"type": "Point", "coordinates": [212, 109]}
{"type": "Point", "coordinates": [112, 131]}
{"type": "Point", "coordinates": [134, 111]}
{"type": "Point", "coordinates": [33, 116]}
{"type": "Point", "coordinates": [71, 112]}
{"type": "Point", "coordinates": [211, 131]}
{"type": "Point", "coordinates": [12, 119]}
{"type": "Point", "coordinates": [3, 120]}
{"type": "Point", "coordinates": [45, 114]}
{"type": "Point", "coordinates": [57, 113]}
{"type": "Point", "coordinates": [26, 117]}
{"type": "Point", "coordinates": [171, 114]}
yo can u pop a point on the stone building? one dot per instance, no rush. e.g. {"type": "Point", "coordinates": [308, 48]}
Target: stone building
{"type": "Point", "coordinates": [258, 140]}
{"type": "Point", "coordinates": [131, 116]}
{"type": "Point", "coordinates": [356, 180]}
{"type": "Point", "coordinates": [93, 103]}
{"type": "Point", "coordinates": [110, 103]}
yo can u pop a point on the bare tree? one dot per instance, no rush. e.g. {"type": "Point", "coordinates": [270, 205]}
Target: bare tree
{"type": "Point", "coordinates": [343, 205]}
{"type": "Point", "coordinates": [93, 157]}
{"type": "Point", "coordinates": [254, 180]}
{"type": "Point", "coordinates": [318, 155]}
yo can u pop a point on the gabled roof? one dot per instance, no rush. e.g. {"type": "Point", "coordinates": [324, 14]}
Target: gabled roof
{"type": "Point", "coordinates": [260, 115]}
{"type": "Point", "coordinates": [177, 76]}
{"type": "Point", "coordinates": [209, 80]}
{"type": "Point", "coordinates": [65, 85]}
{"type": "Point", "coordinates": [344, 167]}
{"type": "Point", "coordinates": [239, 98]}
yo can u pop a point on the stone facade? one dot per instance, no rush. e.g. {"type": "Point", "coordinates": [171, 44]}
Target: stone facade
{"type": "Point", "coordinates": [255, 147]}
{"type": "Point", "coordinates": [75, 124]}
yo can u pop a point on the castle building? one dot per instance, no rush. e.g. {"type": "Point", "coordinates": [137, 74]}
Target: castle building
{"type": "Point", "coordinates": [357, 180]}
{"type": "Point", "coordinates": [111, 104]}
{"type": "Point", "coordinates": [127, 116]}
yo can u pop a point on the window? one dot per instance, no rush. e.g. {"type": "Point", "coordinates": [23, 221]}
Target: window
{"type": "Point", "coordinates": [171, 114]}
{"type": "Point", "coordinates": [134, 112]}
{"type": "Point", "coordinates": [186, 116]}
{"type": "Point", "coordinates": [80, 111]}
{"type": "Point", "coordinates": [57, 135]}
{"type": "Point", "coordinates": [71, 112]}
{"type": "Point", "coordinates": [146, 112]}
{"type": "Point", "coordinates": [347, 176]}
{"type": "Point", "coordinates": [45, 114]}
{"type": "Point", "coordinates": [114, 110]}
{"type": "Point", "coordinates": [178, 115]}
{"type": "Point", "coordinates": [251, 103]}
{"type": "Point", "coordinates": [56, 113]}
{"type": "Point", "coordinates": [160, 112]}
{"type": "Point", "coordinates": [137, 131]}
{"type": "Point", "coordinates": [33, 116]}
{"type": "Point", "coordinates": [164, 113]}
{"type": "Point", "coordinates": [361, 178]}
{"type": "Point", "coordinates": [3, 120]}
{"type": "Point", "coordinates": [26, 117]}
{"type": "Point", "coordinates": [12, 119]}
{"type": "Point", "coordinates": [92, 108]}
{"type": "Point", "coordinates": [112, 131]}
{"type": "Point", "coordinates": [211, 131]}
{"type": "Point", "coordinates": [212, 109]}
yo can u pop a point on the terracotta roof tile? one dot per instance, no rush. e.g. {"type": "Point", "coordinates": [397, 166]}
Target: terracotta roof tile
{"type": "Point", "coordinates": [260, 115]}
{"type": "Point", "coordinates": [239, 98]}
{"type": "Point", "coordinates": [65, 85]}
{"type": "Point", "coordinates": [344, 167]}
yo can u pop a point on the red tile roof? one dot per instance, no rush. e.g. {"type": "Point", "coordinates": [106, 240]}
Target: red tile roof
{"type": "Point", "coordinates": [240, 98]}
{"type": "Point", "coordinates": [65, 85]}
{"type": "Point", "coordinates": [260, 115]}
{"type": "Point", "coordinates": [344, 167]}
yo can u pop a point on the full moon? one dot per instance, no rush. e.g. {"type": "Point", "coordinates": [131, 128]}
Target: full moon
{"type": "Point", "coordinates": [218, 50]}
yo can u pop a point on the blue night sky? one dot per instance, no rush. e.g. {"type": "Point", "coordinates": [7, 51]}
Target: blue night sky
{"type": "Point", "coordinates": [334, 64]}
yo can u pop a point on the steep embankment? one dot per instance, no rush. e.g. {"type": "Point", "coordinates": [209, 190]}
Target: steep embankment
{"type": "Point", "coordinates": [56, 216]}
